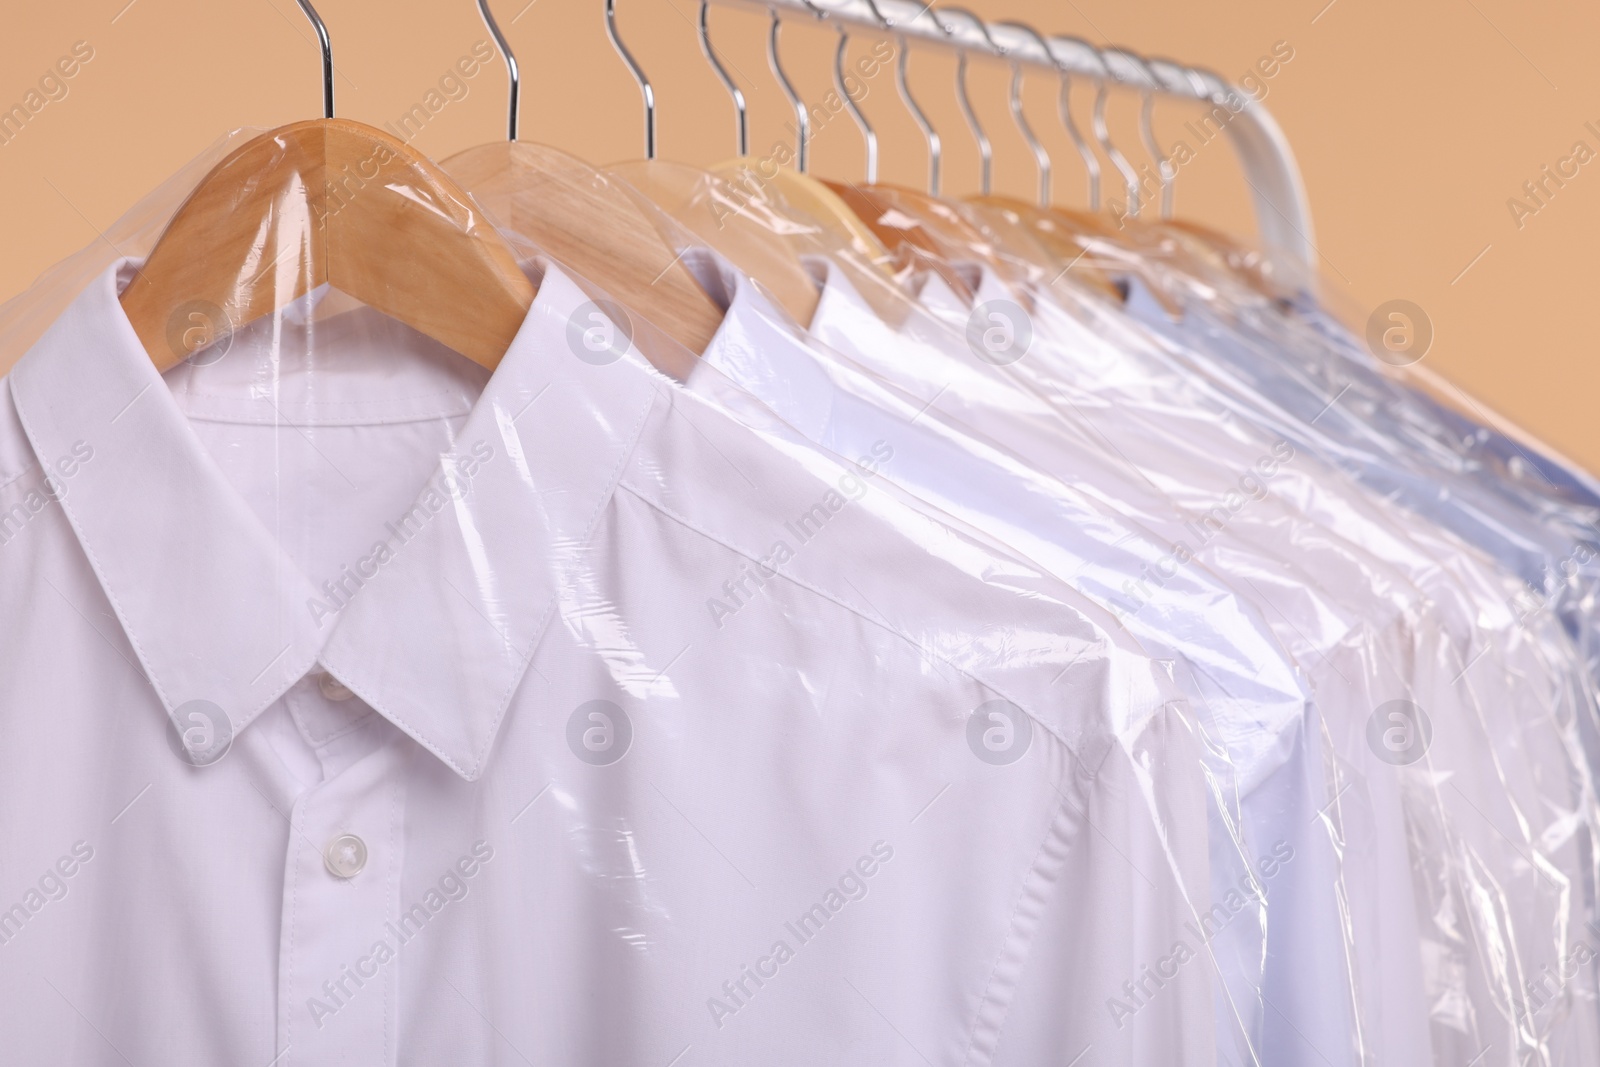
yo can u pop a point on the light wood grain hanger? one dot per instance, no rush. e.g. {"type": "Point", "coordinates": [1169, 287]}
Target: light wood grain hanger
{"type": "Point", "coordinates": [590, 222]}
{"type": "Point", "coordinates": [724, 218]}
{"type": "Point", "coordinates": [331, 202]}
{"type": "Point", "coordinates": [1069, 236]}
{"type": "Point", "coordinates": [794, 184]}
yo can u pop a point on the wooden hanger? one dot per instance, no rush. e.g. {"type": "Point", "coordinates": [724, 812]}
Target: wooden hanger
{"type": "Point", "coordinates": [724, 219]}
{"type": "Point", "coordinates": [330, 202]}
{"type": "Point", "coordinates": [591, 223]}
{"type": "Point", "coordinates": [334, 202]}
{"type": "Point", "coordinates": [824, 226]}
{"type": "Point", "coordinates": [816, 201]}
{"type": "Point", "coordinates": [730, 221]}
{"type": "Point", "coordinates": [1247, 264]}
{"type": "Point", "coordinates": [904, 220]}
{"type": "Point", "coordinates": [794, 187]}
{"type": "Point", "coordinates": [1076, 240]}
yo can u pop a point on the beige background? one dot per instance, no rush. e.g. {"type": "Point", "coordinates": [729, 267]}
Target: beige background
{"type": "Point", "coordinates": [1414, 123]}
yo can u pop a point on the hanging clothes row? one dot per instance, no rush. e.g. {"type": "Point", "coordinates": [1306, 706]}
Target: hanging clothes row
{"type": "Point", "coordinates": [508, 610]}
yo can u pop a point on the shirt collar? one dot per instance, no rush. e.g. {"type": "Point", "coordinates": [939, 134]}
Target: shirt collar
{"type": "Point", "coordinates": [943, 302]}
{"type": "Point", "coordinates": [439, 635]}
{"type": "Point", "coordinates": [758, 351]}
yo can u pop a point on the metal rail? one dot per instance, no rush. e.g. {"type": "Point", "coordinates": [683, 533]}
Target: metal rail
{"type": "Point", "coordinates": [1282, 212]}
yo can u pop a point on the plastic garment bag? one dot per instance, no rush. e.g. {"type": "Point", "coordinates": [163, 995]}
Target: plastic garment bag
{"type": "Point", "coordinates": [1533, 499]}
{"type": "Point", "coordinates": [1521, 723]}
{"type": "Point", "coordinates": [1082, 540]}
{"type": "Point", "coordinates": [548, 714]}
{"type": "Point", "coordinates": [1423, 641]}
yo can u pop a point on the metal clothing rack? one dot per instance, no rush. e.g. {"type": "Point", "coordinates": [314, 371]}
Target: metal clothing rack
{"type": "Point", "coordinates": [1282, 212]}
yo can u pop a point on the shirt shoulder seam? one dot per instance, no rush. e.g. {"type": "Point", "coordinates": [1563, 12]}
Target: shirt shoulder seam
{"type": "Point", "coordinates": [832, 598]}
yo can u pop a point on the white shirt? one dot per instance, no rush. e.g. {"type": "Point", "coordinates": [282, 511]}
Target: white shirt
{"type": "Point", "coordinates": [1355, 613]}
{"type": "Point", "coordinates": [1499, 689]}
{"type": "Point", "coordinates": [632, 737]}
{"type": "Point", "coordinates": [1226, 655]}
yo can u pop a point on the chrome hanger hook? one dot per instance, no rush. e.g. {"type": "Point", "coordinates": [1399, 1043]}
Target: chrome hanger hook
{"type": "Point", "coordinates": [1102, 133]}
{"type": "Point", "coordinates": [1178, 78]}
{"type": "Point", "coordinates": [802, 117]}
{"type": "Point", "coordinates": [869, 136]}
{"type": "Point", "coordinates": [935, 146]}
{"type": "Point", "coordinates": [327, 56]}
{"type": "Point", "coordinates": [511, 64]}
{"type": "Point", "coordinates": [1040, 155]}
{"type": "Point", "coordinates": [740, 115]}
{"type": "Point", "coordinates": [645, 89]}
{"type": "Point", "coordinates": [985, 148]}
{"type": "Point", "coordinates": [1091, 161]}
{"type": "Point", "coordinates": [1147, 130]}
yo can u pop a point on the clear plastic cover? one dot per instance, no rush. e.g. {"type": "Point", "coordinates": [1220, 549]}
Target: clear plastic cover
{"type": "Point", "coordinates": [365, 704]}
{"type": "Point", "coordinates": [1449, 715]}
{"type": "Point", "coordinates": [992, 668]}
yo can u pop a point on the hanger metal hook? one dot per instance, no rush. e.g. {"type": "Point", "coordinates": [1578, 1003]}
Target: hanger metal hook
{"type": "Point", "coordinates": [740, 115]}
{"type": "Point", "coordinates": [1148, 82]}
{"type": "Point", "coordinates": [931, 135]}
{"type": "Point", "coordinates": [1177, 78]}
{"type": "Point", "coordinates": [802, 117]}
{"type": "Point", "coordinates": [1091, 161]}
{"type": "Point", "coordinates": [1147, 131]}
{"type": "Point", "coordinates": [511, 64]}
{"type": "Point", "coordinates": [1102, 133]}
{"type": "Point", "coordinates": [985, 148]}
{"type": "Point", "coordinates": [1040, 155]}
{"type": "Point", "coordinates": [869, 136]}
{"type": "Point", "coordinates": [645, 89]}
{"type": "Point", "coordinates": [327, 56]}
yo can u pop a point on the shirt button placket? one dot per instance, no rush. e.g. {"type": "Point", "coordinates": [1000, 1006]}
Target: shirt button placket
{"type": "Point", "coordinates": [337, 987]}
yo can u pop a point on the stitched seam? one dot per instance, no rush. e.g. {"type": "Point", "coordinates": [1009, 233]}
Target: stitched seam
{"type": "Point", "coordinates": [94, 562]}
{"type": "Point", "coordinates": [104, 581]}
{"type": "Point", "coordinates": [831, 598]}
{"type": "Point", "coordinates": [504, 700]}
{"type": "Point", "coordinates": [395, 860]}
{"type": "Point", "coordinates": [395, 420]}
{"type": "Point", "coordinates": [604, 497]}
{"type": "Point", "coordinates": [400, 721]}
{"type": "Point", "coordinates": [287, 981]}
{"type": "Point", "coordinates": [356, 725]}
{"type": "Point", "coordinates": [1022, 892]}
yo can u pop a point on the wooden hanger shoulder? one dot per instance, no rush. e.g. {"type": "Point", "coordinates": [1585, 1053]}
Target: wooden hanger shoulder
{"type": "Point", "coordinates": [588, 221]}
{"type": "Point", "coordinates": [720, 215]}
{"type": "Point", "coordinates": [336, 202]}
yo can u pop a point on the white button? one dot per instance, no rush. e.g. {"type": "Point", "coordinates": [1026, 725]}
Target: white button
{"type": "Point", "coordinates": [332, 688]}
{"type": "Point", "coordinates": [345, 856]}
